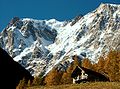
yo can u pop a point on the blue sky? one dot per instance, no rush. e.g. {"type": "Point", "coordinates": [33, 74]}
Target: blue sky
{"type": "Point", "coordinates": [46, 9]}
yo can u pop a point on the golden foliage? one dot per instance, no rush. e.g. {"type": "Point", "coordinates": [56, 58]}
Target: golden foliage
{"type": "Point", "coordinates": [100, 65]}
{"type": "Point", "coordinates": [76, 62]}
{"type": "Point", "coordinates": [22, 84]}
{"type": "Point", "coordinates": [112, 65]}
{"type": "Point", "coordinates": [107, 65]}
{"type": "Point", "coordinates": [53, 77]}
{"type": "Point", "coordinates": [36, 81]}
{"type": "Point", "coordinates": [66, 77]}
{"type": "Point", "coordinates": [86, 63]}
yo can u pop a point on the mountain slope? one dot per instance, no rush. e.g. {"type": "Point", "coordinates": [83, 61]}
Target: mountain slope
{"type": "Point", "coordinates": [11, 71]}
{"type": "Point", "coordinates": [91, 36]}
{"type": "Point", "coordinates": [26, 40]}
{"type": "Point", "coordinates": [39, 45]}
{"type": "Point", "coordinates": [92, 33]}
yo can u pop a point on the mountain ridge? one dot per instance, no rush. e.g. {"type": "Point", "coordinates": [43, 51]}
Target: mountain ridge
{"type": "Point", "coordinates": [39, 45]}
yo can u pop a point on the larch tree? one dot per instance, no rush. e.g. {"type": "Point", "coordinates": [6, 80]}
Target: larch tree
{"type": "Point", "coordinates": [76, 61]}
{"type": "Point", "coordinates": [22, 84]}
{"type": "Point", "coordinates": [86, 63]}
{"type": "Point", "coordinates": [66, 77]}
{"type": "Point", "coordinates": [53, 77]}
{"type": "Point", "coordinates": [112, 65]}
{"type": "Point", "coordinates": [36, 81]}
{"type": "Point", "coordinates": [100, 65]}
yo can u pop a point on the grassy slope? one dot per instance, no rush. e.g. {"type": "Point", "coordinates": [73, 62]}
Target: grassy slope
{"type": "Point", "coordinates": [96, 85]}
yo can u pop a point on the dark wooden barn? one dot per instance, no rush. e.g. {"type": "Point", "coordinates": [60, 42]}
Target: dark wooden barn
{"type": "Point", "coordinates": [81, 74]}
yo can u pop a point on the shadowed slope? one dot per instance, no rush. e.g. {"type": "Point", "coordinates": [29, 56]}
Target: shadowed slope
{"type": "Point", "coordinates": [11, 72]}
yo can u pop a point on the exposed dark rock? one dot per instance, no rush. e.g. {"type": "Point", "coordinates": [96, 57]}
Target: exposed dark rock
{"type": "Point", "coordinates": [77, 18]}
{"type": "Point", "coordinates": [14, 20]}
{"type": "Point", "coordinates": [11, 71]}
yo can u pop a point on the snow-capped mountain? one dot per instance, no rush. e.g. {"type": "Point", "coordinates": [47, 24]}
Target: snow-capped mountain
{"type": "Point", "coordinates": [39, 45]}
{"type": "Point", "coordinates": [26, 41]}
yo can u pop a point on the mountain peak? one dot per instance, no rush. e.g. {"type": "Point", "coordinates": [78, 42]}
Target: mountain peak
{"type": "Point", "coordinates": [39, 45]}
{"type": "Point", "coordinates": [108, 6]}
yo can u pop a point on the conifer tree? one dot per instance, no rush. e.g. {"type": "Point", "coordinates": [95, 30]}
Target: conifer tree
{"type": "Point", "coordinates": [53, 78]}
{"type": "Point", "coordinates": [112, 65]}
{"type": "Point", "coordinates": [66, 77]}
{"type": "Point", "coordinates": [100, 65]}
{"type": "Point", "coordinates": [95, 67]}
{"type": "Point", "coordinates": [36, 81]}
{"type": "Point", "coordinates": [29, 83]}
{"type": "Point", "coordinates": [22, 84]}
{"type": "Point", "coordinates": [76, 62]}
{"type": "Point", "coordinates": [87, 63]}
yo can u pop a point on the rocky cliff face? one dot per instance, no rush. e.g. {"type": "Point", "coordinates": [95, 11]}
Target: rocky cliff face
{"type": "Point", "coordinates": [26, 41]}
{"type": "Point", "coordinates": [39, 45]}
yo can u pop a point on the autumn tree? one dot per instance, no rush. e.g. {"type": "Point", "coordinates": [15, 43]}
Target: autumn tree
{"type": "Point", "coordinates": [112, 65]}
{"type": "Point", "coordinates": [77, 61]}
{"type": "Point", "coordinates": [100, 65]}
{"type": "Point", "coordinates": [86, 63]}
{"type": "Point", "coordinates": [53, 77]}
{"type": "Point", "coordinates": [66, 77]}
{"type": "Point", "coordinates": [29, 83]}
{"type": "Point", "coordinates": [36, 81]}
{"type": "Point", "coordinates": [22, 84]}
{"type": "Point", "coordinates": [95, 67]}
